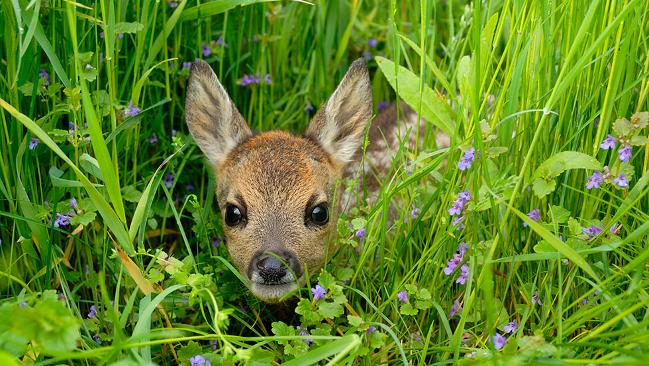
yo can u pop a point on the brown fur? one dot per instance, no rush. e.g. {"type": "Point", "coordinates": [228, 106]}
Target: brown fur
{"type": "Point", "coordinates": [277, 178]}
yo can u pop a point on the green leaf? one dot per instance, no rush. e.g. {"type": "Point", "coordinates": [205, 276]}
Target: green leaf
{"type": "Point", "coordinates": [354, 320]}
{"type": "Point", "coordinates": [83, 219]}
{"type": "Point", "coordinates": [566, 160]}
{"type": "Point", "coordinates": [639, 140]}
{"type": "Point", "coordinates": [359, 223]}
{"type": "Point", "coordinates": [557, 244]}
{"type": "Point", "coordinates": [326, 280]}
{"type": "Point", "coordinates": [90, 165]}
{"type": "Point", "coordinates": [622, 127]}
{"type": "Point", "coordinates": [544, 175]}
{"type": "Point", "coordinates": [559, 214]}
{"type": "Point", "coordinates": [216, 7]}
{"type": "Point", "coordinates": [339, 347]}
{"type": "Point", "coordinates": [543, 187]}
{"type": "Point", "coordinates": [329, 309]}
{"type": "Point", "coordinates": [130, 194]}
{"type": "Point", "coordinates": [124, 27]}
{"type": "Point", "coordinates": [309, 315]}
{"type": "Point", "coordinates": [188, 351]}
{"type": "Point", "coordinates": [427, 103]}
{"type": "Point", "coordinates": [408, 309]}
{"type": "Point", "coordinates": [640, 120]}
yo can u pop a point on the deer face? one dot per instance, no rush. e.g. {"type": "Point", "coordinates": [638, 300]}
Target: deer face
{"type": "Point", "coordinates": [275, 190]}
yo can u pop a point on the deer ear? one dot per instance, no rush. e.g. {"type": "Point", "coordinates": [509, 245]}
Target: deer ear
{"type": "Point", "coordinates": [212, 118]}
{"type": "Point", "coordinates": [338, 126]}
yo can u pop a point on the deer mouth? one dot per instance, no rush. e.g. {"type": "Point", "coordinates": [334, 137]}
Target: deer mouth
{"type": "Point", "coordinates": [272, 292]}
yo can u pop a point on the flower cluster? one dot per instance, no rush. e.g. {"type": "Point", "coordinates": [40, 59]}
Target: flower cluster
{"type": "Point", "coordinates": [93, 312]}
{"type": "Point", "coordinates": [63, 219]}
{"type": "Point", "coordinates": [131, 110]}
{"type": "Point", "coordinates": [452, 264]}
{"type": "Point", "coordinates": [604, 176]}
{"type": "Point", "coordinates": [254, 79]}
{"type": "Point", "coordinates": [402, 296]}
{"type": "Point", "coordinates": [467, 158]}
{"type": "Point", "coordinates": [456, 210]}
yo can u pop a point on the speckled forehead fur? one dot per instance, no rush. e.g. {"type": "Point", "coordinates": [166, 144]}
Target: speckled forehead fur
{"type": "Point", "coordinates": [277, 168]}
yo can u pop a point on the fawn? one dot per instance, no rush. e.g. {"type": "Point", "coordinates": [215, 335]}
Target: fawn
{"type": "Point", "coordinates": [275, 190]}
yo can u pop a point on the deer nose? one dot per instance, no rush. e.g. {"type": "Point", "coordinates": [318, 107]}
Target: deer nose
{"type": "Point", "coordinates": [272, 267]}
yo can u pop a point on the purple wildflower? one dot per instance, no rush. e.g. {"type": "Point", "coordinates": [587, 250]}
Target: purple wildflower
{"type": "Point", "coordinates": [592, 231]}
{"type": "Point", "coordinates": [207, 50]}
{"type": "Point", "coordinates": [153, 139]}
{"type": "Point", "coordinates": [199, 360]}
{"type": "Point", "coordinates": [187, 64]}
{"type": "Point", "coordinates": [414, 212]}
{"type": "Point", "coordinates": [535, 299]}
{"type": "Point", "coordinates": [371, 329]}
{"type": "Point", "coordinates": [73, 202]}
{"type": "Point", "coordinates": [456, 308]}
{"type": "Point", "coordinates": [33, 142]}
{"type": "Point", "coordinates": [267, 79]}
{"type": "Point", "coordinates": [511, 326]}
{"type": "Point", "coordinates": [595, 180]}
{"type": "Point", "coordinates": [409, 167]}
{"type": "Point", "coordinates": [220, 42]}
{"type": "Point", "coordinates": [97, 339]}
{"type": "Point", "coordinates": [173, 4]}
{"type": "Point", "coordinates": [584, 301]}
{"type": "Point", "coordinates": [458, 204]}
{"type": "Point", "coordinates": [305, 333]}
{"type": "Point", "coordinates": [168, 180]}
{"type": "Point", "coordinates": [402, 296]}
{"type": "Point", "coordinates": [621, 181]}
{"type": "Point", "coordinates": [367, 55]}
{"type": "Point", "coordinates": [625, 153]}
{"type": "Point", "coordinates": [92, 313]}
{"type": "Point", "coordinates": [131, 110]}
{"type": "Point", "coordinates": [318, 292]}
{"type": "Point", "coordinates": [462, 248]}
{"type": "Point", "coordinates": [614, 228]}
{"type": "Point", "coordinates": [174, 133]}
{"type": "Point", "coordinates": [246, 80]}
{"type": "Point", "coordinates": [452, 264]}
{"type": "Point", "coordinates": [189, 186]}
{"type": "Point", "coordinates": [45, 76]}
{"type": "Point", "coordinates": [458, 222]}
{"type": "Point", "coordinates": [214, 344]}
{"type": "Point", "coordinates": [372, 42]}
{"type": "Point", "coordinates": [120, 35]}
{"type": "Point", "coordinates": [382, 105]}
{"type": "Point", "coordinates": [416, 336]}
{"type": "Point", "coordinates": [62, 219]}
{"type": "Point", "coordinates": [360, 233]}
{"type": "Point", "coordinates": [216, 241]}
{"type": "Point", "coordinates": [308, 108]}
{"type": "Point", "coordinates": [608, 143]}
{"type": "Point", "coordinates": [22, 304]}
{"type": "Point", "coordinates": [499, 341]}
{"type": "Point", "coordinates": [464, 275]}
{"type": "Point", "coordinates": [467, 159]}
{"type": "Point", "coordinates": [534, 215]}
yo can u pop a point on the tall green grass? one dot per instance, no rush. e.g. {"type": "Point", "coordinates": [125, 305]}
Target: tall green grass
{"type": "Point", "coordinates": [140, 274]}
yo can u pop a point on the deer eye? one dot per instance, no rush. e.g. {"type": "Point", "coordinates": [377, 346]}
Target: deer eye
{"type": "Point", "coordinates": [319, 214]}
{"type": "Point", "coordinates": [233, 215]}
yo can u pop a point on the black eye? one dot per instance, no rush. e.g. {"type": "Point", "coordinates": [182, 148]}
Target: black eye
{"type": "Point", "coordinates": [319, 214]}
{"type": "Point", "coordinates": [233, 215]}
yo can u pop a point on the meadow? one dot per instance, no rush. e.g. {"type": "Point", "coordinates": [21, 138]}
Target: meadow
{"type": "Point", "coordinates": [523, 242]}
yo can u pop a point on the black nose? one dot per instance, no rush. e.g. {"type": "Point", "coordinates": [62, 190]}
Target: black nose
{"type": "Point", "coordinates": [272, 267]}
